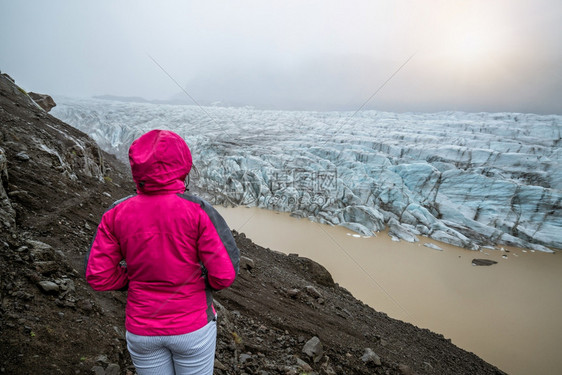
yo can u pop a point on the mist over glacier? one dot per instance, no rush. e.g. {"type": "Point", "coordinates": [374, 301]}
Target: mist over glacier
{"type": "Point", "coordinates": [468, 179]}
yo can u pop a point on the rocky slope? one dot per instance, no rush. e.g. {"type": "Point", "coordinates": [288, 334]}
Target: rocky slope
{"type": "Point", "coordinates": [284, 314]}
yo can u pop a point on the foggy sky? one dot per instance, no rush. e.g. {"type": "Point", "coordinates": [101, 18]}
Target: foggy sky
{"type": "Point", "coordinates": [481, 55]}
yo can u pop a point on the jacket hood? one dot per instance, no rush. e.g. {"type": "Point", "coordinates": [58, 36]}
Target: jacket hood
{"type": "Point", "coordinates": [160, 162]}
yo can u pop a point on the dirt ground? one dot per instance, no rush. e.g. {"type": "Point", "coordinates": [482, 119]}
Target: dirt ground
{"type": "Point", "coordinates": [52, 322]}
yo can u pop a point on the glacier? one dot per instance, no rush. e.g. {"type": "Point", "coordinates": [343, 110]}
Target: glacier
{"type": "Point", "coordinates": [467, 179]}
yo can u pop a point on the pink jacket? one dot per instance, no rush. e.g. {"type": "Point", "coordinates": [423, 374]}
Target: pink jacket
{"type": "Point", "coordinates": [176, 247]}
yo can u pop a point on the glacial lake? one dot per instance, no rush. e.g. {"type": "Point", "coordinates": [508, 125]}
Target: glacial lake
{"type": "Point", "coordinates": [509, 313]}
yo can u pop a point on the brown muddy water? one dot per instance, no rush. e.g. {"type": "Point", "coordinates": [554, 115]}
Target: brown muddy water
{"type": "Point", "coordinates": [509, 313]}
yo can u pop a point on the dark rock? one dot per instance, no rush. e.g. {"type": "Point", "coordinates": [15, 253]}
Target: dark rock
{"type": "Point", "coordinates": [85, 305]}
{"type": "Point", "coordinates": [6, 75]}
{"type": "Point", "coordinates": [7, 212]}
{"type": "Point", "coordinates": [43, 100]}
{"type": "Point", "coordinates": [49, 287]}
{"type": "Point", "coordinates": [20, 194]}
{"type": "Point", "coordinates": [369, 356]}
{"type": "Point", "coordinates": [293, 293]}
{"type": "Point", "coordinates": [326, 368]}
{"type": "Point", "coordinates": [18, 95]}
{"type": "Point", "coordinates": [317, 272]}
{"type": "Point", "coordinates": [246, 263]}
{"type": "Point", "coordinates": [244, 358]}
{"type": "Point", "coordinates": [23, 156]}
{"type": "Point", "coordinates": [23, 295]}
{"type": "Point", "coordinates": [312, 291]}
{"type": "Point", "coordinates": [313, 348]}
{"type": "Point", "coordinates": [66, 286]}
{"type": "Point", "coordinates": [483, 262]}
{"type": "Point", "coordinates": [41, 251]}
{"type": "Point", "coordinates": [220, 366]}
{"type": "Point", "coordinates": [303, 365]}
{"type": "Point", "coordinates": [46, 268]}
{"type": "Point", "coordinates": [427, 366]}
{"type": "Point", "coordinates": [102, 358]}
{"type": "Point", "coordinates": [405, 370]}
{"type": "Point", "coordinates": [113, 369]}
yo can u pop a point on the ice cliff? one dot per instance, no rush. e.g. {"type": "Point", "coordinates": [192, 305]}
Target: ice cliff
{"type": "Point", "coordinates": [469, 179]}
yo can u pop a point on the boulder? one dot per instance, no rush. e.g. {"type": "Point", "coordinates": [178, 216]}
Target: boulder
{"type": "Point", "coordinates": [41, 251]}
{"type": "Point", "coordinates": [246, 263]}
{"type": "Point", "coordinates": [313, 292]}
{"type": "Point", "coordinates": [43, 100]}
{"type": "Point", "coordinates": [317, 272]}
{"type": "Point", "coordinates": [113, 369]}
{"type": "Point", "coordinates": [369, 356]}
{"type": "Point", "coordinates": [49, 287]}
{"type": "Point", "coordinates": [23, 156]}
{"type": "Point", "coordinates": [313, 348]}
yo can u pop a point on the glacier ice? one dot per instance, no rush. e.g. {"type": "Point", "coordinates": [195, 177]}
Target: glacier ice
{"type": "Point", "coordinates": [468, 179]}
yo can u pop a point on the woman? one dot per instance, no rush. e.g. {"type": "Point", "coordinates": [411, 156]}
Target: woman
{"type": "Point", "coordinates": [177, 249]}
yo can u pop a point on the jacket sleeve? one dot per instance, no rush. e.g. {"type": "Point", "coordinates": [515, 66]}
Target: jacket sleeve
{"type": "Point", "coordinates": [217, 249]}
{"type": "Point", "coordinates": [103, 269]}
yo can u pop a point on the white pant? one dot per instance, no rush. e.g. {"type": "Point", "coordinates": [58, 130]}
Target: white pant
{"type": "Point", "coordinates": [188, 354]}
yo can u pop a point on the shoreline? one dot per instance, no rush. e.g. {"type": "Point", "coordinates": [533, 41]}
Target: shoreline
{"type": "Point", "coordinates": [438, 290]}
